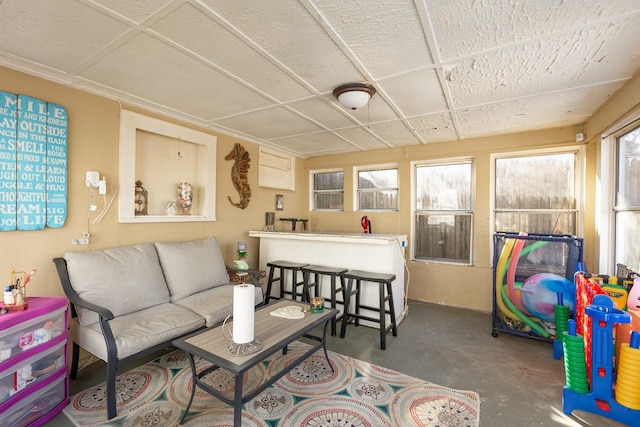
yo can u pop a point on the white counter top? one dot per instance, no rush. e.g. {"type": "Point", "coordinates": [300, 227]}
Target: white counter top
{"type": "Point", "coordinates": [332, 236]}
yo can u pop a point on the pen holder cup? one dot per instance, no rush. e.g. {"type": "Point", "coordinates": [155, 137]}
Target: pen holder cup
{"type": "Point", "coordinates": [16, 299]}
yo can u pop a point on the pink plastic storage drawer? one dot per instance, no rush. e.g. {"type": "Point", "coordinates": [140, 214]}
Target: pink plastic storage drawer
{"type": "Point", "coordinates": [20, 378]}
{"type": "Point", "coordinates": [44, 321]}
{"type": "Point", "coordinates": [40, 406]}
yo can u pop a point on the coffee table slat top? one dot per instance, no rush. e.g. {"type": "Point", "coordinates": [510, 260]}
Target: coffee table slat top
{"type": "Point", "coordinates": [270, 330]}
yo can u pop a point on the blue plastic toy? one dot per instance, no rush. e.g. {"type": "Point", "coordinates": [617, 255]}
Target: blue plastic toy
{"type": "Point", "coordinates": [600, 400]}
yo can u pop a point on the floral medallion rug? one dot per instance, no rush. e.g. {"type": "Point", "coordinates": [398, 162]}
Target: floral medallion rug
{"type": "Point", "coordinates": [356, 394]}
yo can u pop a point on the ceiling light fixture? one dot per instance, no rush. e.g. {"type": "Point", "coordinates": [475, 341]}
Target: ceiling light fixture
{"type": "Point", "coordinates": [354, 95]}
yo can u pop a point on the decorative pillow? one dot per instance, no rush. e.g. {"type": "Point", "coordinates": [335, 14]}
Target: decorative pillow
{"type": "Point", "coordinates": [192, 267]}
{"type": "Point", "coordinates": [124, 279]}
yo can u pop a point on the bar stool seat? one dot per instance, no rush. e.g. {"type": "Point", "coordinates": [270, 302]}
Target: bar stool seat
{"type": "Point", "coordinates": [283, 267]}
{"type": "Point", "coordinates": [312, 276]}
{"type": "Point", "coordinates": [385, 296]}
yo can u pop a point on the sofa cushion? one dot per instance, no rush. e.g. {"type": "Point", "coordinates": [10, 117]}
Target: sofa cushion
{"type": "Point", "coordinates": [215, 304]}
{"type": "Point", "coordinates": [138, 331]}
{"type": "Point", "coordinates": [124, 279]}
{"type": "Point", "coordinates": [192, 267]}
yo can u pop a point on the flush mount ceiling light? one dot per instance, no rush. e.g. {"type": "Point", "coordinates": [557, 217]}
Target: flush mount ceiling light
{"type": "Point", "coordinates": [354, 95]}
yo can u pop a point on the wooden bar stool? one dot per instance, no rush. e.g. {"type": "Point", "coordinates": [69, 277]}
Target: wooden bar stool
{"type": "Point", "coordinates": [384, 281]}
{"type": "Point", "coordinates": [312, 276]}
{"type": "Point", "coordinates": [283, 267]}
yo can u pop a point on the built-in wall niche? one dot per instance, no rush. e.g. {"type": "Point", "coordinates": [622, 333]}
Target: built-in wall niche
{"type": "Point", "coordinates": [162, 155]}
{"type": "Point", "coordinates": [276, 169]}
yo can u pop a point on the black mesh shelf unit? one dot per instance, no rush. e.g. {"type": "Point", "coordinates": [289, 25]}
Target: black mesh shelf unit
{"type": "Point", "coordinates": [531, 274]}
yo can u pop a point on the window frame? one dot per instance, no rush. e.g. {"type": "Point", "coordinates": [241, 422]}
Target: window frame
{"type": "Point", "coordinates": [357, 190]}
{"type": "Point", "coordinates": [607, 169]}
{"type": "Point", "coordinates": [472, 211]}
{"type": "Point", "coordinates": [312, 191]}
{"type": "Point", "coordinates": [579, 181]}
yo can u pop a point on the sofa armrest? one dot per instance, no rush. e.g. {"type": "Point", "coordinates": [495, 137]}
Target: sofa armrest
{"type": "Point", "coordinates": [72, 295]}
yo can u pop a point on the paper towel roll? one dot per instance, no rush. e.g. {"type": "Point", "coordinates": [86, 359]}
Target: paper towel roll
{"type": "Point", "coordinates": [243, 313]}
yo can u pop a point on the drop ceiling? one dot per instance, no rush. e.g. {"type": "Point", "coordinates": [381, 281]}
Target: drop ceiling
{"type": "Point", "coordinates": [264, 70]}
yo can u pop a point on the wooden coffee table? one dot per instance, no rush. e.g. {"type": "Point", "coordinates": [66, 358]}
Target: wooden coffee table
{"type": "Point", "coordinates": [275, 333]}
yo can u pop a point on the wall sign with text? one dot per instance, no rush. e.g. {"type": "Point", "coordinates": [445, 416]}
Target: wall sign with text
{"type": "Point", "coordinates": [33, 163]}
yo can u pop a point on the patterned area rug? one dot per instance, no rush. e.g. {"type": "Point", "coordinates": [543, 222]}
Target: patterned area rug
{"type": "Point", "coordinates": [357, 394]}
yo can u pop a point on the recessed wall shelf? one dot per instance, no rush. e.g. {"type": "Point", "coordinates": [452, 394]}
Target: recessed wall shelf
{"type": "Point", "coordinates": [161, 155]}
{"type": "Point", "coordinates": [276, 169]}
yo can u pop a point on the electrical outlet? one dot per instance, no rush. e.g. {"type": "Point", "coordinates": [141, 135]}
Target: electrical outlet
{"type": "Point", "coordinates": [83, 241]}
{"type": "Point", "coordinates": [92, 179]}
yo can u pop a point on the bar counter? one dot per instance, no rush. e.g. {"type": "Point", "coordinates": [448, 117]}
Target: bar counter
{"type": "Point", "coordinates": [377, 253]}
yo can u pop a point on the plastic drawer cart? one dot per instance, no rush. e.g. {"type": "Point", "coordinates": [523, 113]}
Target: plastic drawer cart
{"type": "Point", "coordinates": [34, 384]}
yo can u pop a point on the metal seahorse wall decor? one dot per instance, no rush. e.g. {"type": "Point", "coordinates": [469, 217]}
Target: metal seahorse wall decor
{"type": "Point", "coordinates": [239, 172]}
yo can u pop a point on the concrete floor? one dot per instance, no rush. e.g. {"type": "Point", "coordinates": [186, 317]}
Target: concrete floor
{"type": "Point", "coordinates": [519, 381]}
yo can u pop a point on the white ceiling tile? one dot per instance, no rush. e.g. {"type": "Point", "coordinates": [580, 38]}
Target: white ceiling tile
{"type": "Point", "coordinates": [196, 32]}
{"type": "Point", "coordinates": [362, 139]}
{"type": "Point", "coordinates": [320, 143]}
{"type": "Point", "coordinates": [434, 127]}
{"type": "Point", "coordinates": [416, 93]}
{"type": "Point", "coordinates": [584, 57]}
{"type": "Point", "coordinates": [136, 11]}
{"type": "Point", "coordinates": [267, 123]}
{"type": "Point", "coordinates": [287, 31]}
{"type": "Point", "coordinates": [61, 34]}
{"type": "Point", "coordinates": [154, 71]}
{"type": "Point", "coordinates": [458, 24]}
{"type": "Point", "coordinates": [322, 112]}
{"type": "Point", "coordinates": [395, 133]}
{"type": "Point", "coordinates": [539, 112]}
{"type": "Point", "coordinates": [370, 28]}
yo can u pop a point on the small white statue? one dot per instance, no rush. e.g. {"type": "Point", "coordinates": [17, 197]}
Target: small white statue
{"type": "Point", "coordinates": [171, 207]}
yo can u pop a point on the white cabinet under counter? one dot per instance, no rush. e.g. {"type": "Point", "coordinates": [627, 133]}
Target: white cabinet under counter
{"type": "Point", "coordinates": [377, 253]}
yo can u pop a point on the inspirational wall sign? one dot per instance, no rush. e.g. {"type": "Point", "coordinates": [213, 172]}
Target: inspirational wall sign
{"type": "Point", "coordinates": [33, 163]}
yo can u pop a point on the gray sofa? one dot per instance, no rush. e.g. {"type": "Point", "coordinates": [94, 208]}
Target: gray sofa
{"type": "Point", "coordinates": [131, 301]}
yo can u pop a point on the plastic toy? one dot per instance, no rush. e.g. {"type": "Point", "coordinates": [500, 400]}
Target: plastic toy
{"type": "Point", "coordinates": [618, 294]}
{"type": "Point", "coordinates": [562, 315]}
{"type": "Point", "coordinates": [600, 399]}
{"type": "Point", "coordinates": [539, 293]}
{"type": "Point", "coordinates": [633, 302]}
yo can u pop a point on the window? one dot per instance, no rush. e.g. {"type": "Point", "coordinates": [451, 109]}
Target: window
{"type": "Point", "coordinates": [443, 215]}
{"type": "Point", "coordinates": [627, 198]}
{"type": "Point", "coordinates": [536, 193]}
{"type": "Point", "coordinates": [328, 191]}
{"type": "Point", "coordinates": [378, 190]}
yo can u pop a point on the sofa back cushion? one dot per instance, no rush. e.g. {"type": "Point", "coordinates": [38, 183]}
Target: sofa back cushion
{"type": "Point", "coordinates": [192, 267]}
{"type": "Point", "coordinates": [124, 279]}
